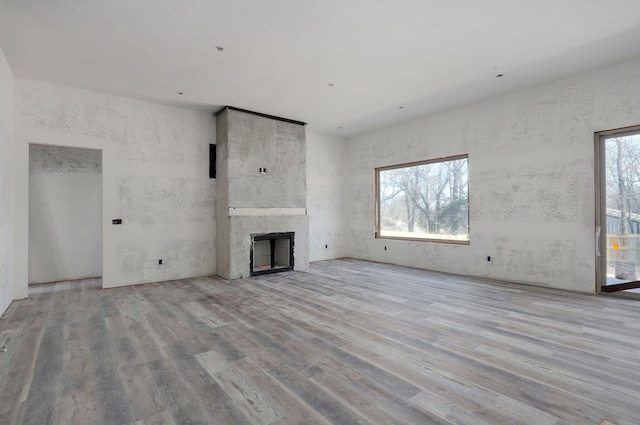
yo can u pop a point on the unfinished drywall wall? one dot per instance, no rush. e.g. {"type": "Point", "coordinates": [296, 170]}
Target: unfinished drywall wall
{"type": "Point", "coordinates": [65, 213]}
{"type": "Point", "coordinates": [6, 184]}
{"type": "Point", "coordinates": [155, 177]}
{"type": "Point", "coordinates": [325, 196]}
{"type": "Point", "coordinates": [531, 179]}
{"type": "Point", "coordinates": [262, 182]}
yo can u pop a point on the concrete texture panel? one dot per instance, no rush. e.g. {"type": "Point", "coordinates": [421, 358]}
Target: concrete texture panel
{"type": "Point", "coordinates": [140, 134]}
{"type": "Point", "coordinates": [256, 142]}
{"type": "Point", "coordinates": [325, 196]}
{"type": "Point", "coordinates": [514, 193]}
{"type": "Point", "coordinates": [326, 238]}
{"type": "Point", "coordinates": [200, 206]}
{"type": "Point", "coordinates": [152, 199]}
{"type": "Point", "coordinates": [6, 183]}
{"type": "Point", "coordinates": [531, 179]}
{"type": "Point", "coordinates": [223, 245]}
{"type": "Point", "coordinates": [223, 223]}
{"type": "Point", "coordinates": [138, 262]}
{"type": "Point", "coordinates": [54, 159]}
{"type": "Point", "coordinates": [166, 200]}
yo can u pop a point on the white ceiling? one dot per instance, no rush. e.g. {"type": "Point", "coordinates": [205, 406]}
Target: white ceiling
{"type": "Point", "coordinates": [280, 55]}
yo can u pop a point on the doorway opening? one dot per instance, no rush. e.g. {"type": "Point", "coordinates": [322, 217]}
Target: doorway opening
{"type": "Point", "coordinates": [618, 210]}
{"type": "Point", "coordinates": [65, 214]}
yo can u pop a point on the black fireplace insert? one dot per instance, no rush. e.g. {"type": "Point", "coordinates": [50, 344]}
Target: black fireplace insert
{"type": "Point", "coordinates": [271, 252]}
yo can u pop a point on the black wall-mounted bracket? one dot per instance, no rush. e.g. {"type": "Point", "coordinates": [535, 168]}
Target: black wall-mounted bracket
{"type": "Point", "coordinates": [212, 161]}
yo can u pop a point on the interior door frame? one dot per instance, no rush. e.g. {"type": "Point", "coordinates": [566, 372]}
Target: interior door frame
{"type": "Point", "coordinates": [21, 202]}
{"type": "Point", "coordinates": [102, 200]}
{"type": "Point", "coordinates": [600, 198]}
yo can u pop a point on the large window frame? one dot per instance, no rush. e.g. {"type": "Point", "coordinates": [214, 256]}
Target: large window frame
{"type": "Point", "coordinates": [382, 233]}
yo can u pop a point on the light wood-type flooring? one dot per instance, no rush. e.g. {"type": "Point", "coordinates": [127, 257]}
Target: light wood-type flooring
{"type": "Point", "coordinates": [350, 342]}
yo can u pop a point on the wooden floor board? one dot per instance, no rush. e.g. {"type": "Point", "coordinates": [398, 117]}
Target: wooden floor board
{"type": "Point", "coordinates": [350, 342]}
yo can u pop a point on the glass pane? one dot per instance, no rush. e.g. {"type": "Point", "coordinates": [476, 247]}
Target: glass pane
{"type": "Point", "coordinates": [261, 255]}
{"type": "Point", "coordinates": [428, 201]}
{"type": "Point", "coordinates": [622, 208]}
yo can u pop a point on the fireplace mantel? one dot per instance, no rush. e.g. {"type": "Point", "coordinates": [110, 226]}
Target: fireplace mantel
{"type": "Point", "coordinates": [266, 212]}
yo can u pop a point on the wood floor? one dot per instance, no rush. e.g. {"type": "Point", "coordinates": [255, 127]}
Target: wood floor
{"type": "Point", "coordinates": [348, 343]}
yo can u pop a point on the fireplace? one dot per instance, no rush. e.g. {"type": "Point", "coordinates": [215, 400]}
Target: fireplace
{"type": "Point", "coordinates": [261, 194]}
{"type": "Point", "coordinates": [271, 253]}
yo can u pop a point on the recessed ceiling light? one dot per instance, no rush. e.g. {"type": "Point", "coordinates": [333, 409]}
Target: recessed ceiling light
{"type": "Point", "coordinates": [219, 48]}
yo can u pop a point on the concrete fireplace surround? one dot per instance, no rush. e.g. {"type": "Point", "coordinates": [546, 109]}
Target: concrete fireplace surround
{"type": "Point", "coordinates": [250, 200]}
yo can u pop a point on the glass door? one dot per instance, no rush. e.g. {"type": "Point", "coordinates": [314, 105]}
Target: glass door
{"type": "Point", "coordinates": [619, 210]}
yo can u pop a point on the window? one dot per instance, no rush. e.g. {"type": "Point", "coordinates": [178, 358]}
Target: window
{"type": "Point", "coordinates": [427, 200]}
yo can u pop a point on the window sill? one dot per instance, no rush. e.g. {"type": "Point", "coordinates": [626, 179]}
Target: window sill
{"type": "Point", "coordinates": [436, 240]}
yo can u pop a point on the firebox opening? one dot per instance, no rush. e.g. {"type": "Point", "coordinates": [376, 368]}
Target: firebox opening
{"type": "Point", "coordinates": [271, 253]}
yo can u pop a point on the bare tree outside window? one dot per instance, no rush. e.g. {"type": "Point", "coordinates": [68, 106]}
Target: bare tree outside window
{"type": "Point", "coordinates": [622, 192]}
{"type": "Point", "coordinates": [424, 200]}
{"type": "Point", "coordinates": [623, 182]}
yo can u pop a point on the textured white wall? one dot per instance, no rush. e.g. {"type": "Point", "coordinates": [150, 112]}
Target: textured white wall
{"type": "Point", "coordinates": [65, 213]}
{"type": "Point", "coordinates": [531, 178]}
{"type": "Point", "coordinates": [325, 196]}
{"type": "Point", "coordinates": [155, 178]}
{"type": "Point", "coordinates": [6, 183]}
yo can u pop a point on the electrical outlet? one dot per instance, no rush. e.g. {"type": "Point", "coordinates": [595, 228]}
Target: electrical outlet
{"type": "Point", "coordinates": [160, 262]}
{"type": "Point", "coordinates": [326, 246]}
{"type": "Point", "coordinates": [488, 258]}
